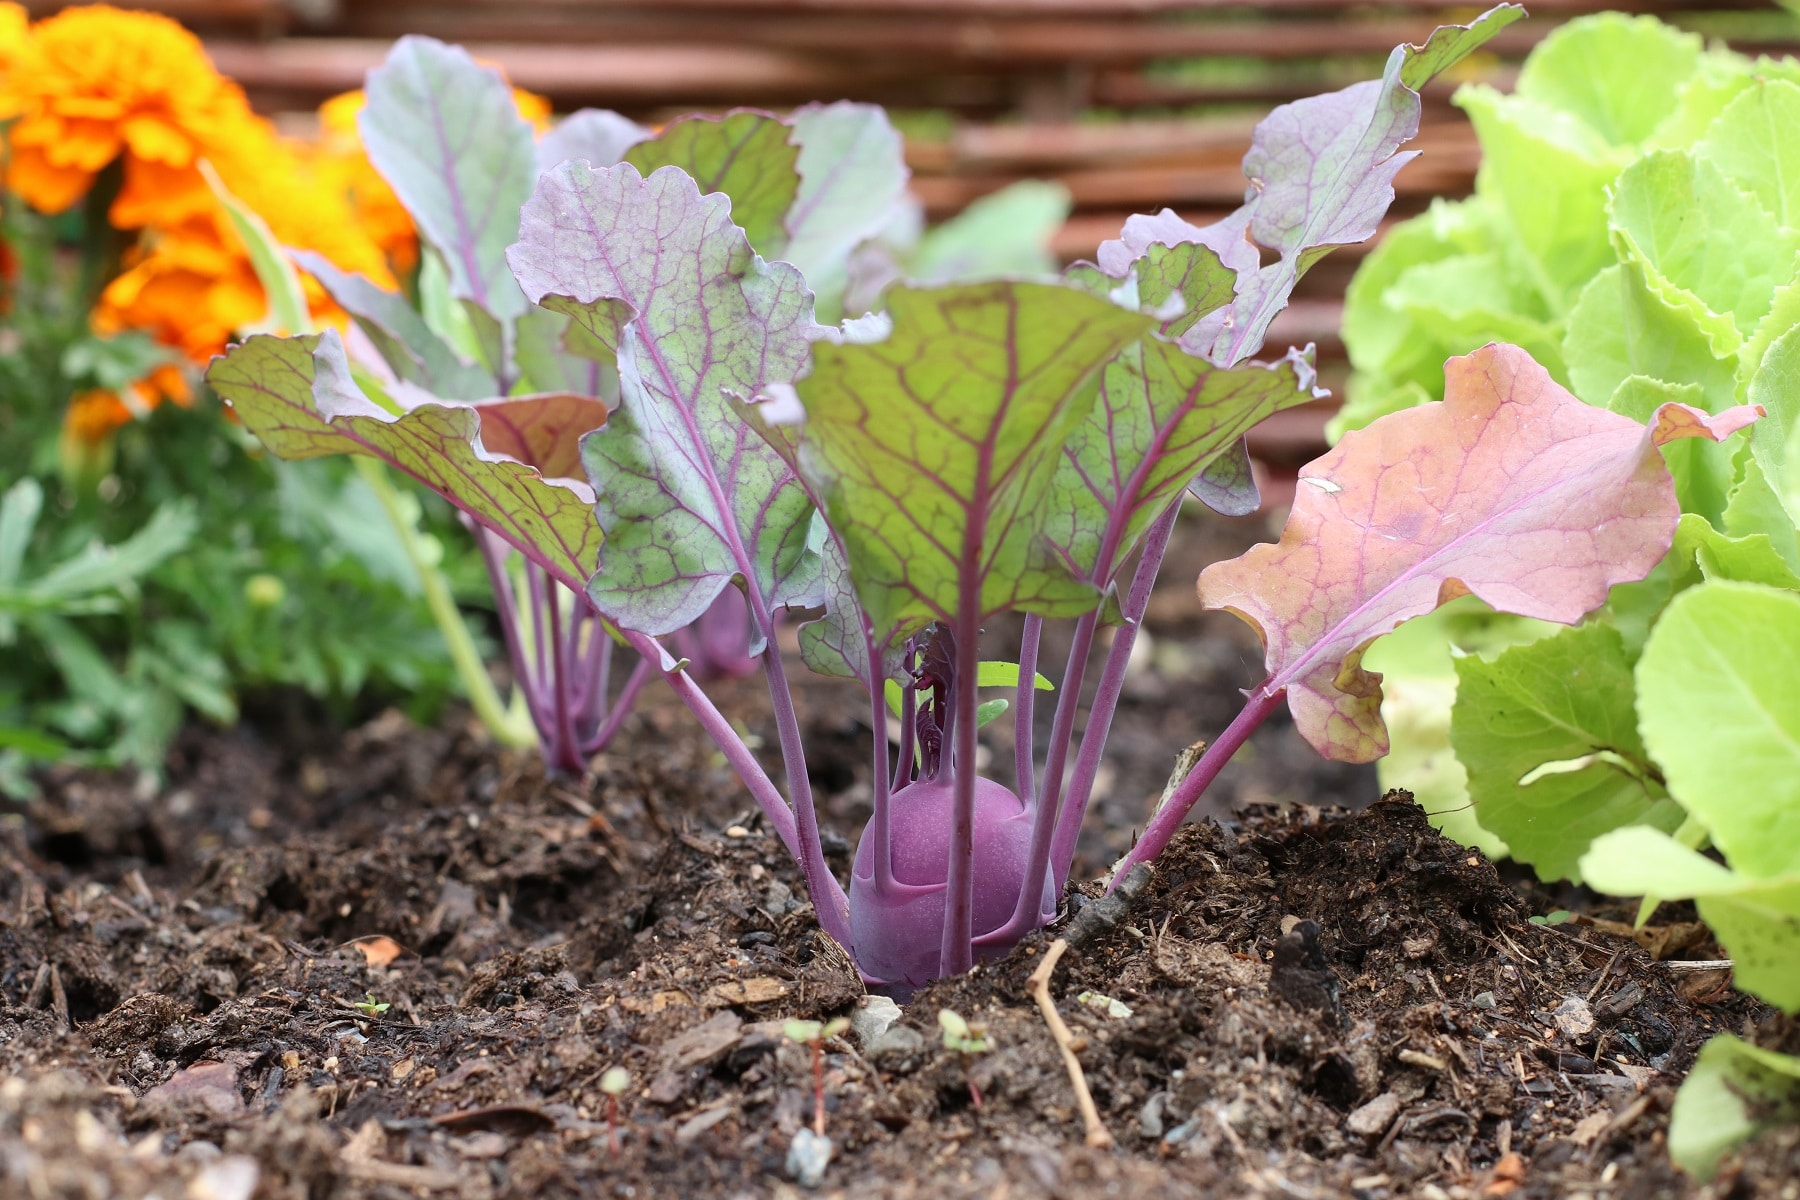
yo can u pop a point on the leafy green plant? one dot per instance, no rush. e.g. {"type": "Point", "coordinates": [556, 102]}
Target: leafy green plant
{"type": "Point", "coordinates": [971, 449]}
{"type": "Point", "coordinates": [492, 390]}
{"type": "Point", "coordinates": [1637, 221]}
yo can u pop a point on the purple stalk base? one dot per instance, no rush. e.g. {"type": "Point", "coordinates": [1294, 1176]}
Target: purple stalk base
{"type": "Point", "coordinates": [1106, 699]}
{"type": "Point", "coordinates": [1260, 705]}
{"type": "Point", "coordinates": [1057, 817]}
{"type": "Point", "coordinates": [717, 646]}
{"type": "Point", "coordinates": [564, 671]}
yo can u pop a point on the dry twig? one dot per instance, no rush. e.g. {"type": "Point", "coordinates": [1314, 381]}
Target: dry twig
{"type": "Point", "coordinates": [1039, 984]}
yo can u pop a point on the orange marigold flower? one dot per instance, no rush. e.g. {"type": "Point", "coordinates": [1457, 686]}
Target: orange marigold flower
{"type": "Point", "coordinates": [192, 285]}
{"type": "Point", "coordinates": [94, 415]}
{"type": "Point", "coordinates": [94, 83]}
{"type": "Point", "coordinates": [15, 26]}
{"type": "Point", "coordinates": [341, 165]}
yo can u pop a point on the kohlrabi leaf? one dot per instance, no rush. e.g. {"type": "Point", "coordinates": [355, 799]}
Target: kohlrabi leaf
{"type": "Point", "coordinates": [598, 137]}
{"type": "Point", "coordinates": [1707, 247]}
{"type": "Point", "coordinates": [694, 497]}
{"type": "Point", "coordinates": [1720, 713]}
{"type": "Point", "coordinates": [297, 396]}
{"type": "Point", "coordinates": [547, 365]}
{"type": "Point", "coordinates": [541, 431]}
{"type": "Point", "coordinates": [1752, 143]}
{"type": "Point", "coordinates": [838, 644]}
{"type": "Point", "coordinates": [1006, 232]}
{"type": "Point", "coordinates": [1321, 175]}
{"type": "Point", "coordinates": [406, 343]}
{"type": "Point", "coordinates": [1733, 1092]}
{"type": "Point", "coordinates": [1163, 415]}
{"type": "Point", "coordinates": [448, 138]}
{"type": "Point", "coordinates": [746, 155]}
{"type": "Point", "coordinates": [934, 448]}
{"type": "Point", "coordinates": [1510, 489]}
{"type": "Point", "coordinates": [1548, 736]}
{"type": "Point", "coordinates": [853, 178]}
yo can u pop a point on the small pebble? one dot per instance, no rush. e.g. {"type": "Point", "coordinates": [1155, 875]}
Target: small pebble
{"type": "Point", "coordinates": [1573, 1017]}
{"type": "Point", "coordinates": [807, 1157]}
{"type": "Point", "coordinates": [1373, 1118]}
{"type": "Point", "coordinates": [1485, 1000]}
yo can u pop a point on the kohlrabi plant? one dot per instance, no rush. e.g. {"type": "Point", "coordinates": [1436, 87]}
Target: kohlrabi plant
{"type": "Point", "coordinates": [490, 391]}
{"type": "Point", "coordinates": [899, 480]}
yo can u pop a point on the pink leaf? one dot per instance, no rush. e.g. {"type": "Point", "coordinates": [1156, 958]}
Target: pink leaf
{"type": "Point", "coordinates": [542, 431]}
{"type": "Point", "coordinates": [1511, 488]}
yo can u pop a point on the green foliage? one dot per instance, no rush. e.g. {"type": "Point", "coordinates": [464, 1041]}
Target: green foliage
{"type": "Point", "coordinates": [1635, 213]}
{"type": "Point", "coordinates": [1639, 207]}
{"type": "Point", "coordinates": [170, 567]}
{"type": "Point", "coordinates": [1734, 1092]}
{"type": "Point", "coordinates": [201, 571]}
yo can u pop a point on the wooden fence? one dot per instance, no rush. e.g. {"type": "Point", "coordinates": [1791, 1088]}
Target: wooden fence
{"type": "Point", "coordinates": [1130, 104]}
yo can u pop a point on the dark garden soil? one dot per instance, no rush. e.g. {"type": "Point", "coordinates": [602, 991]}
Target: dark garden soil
{"type": "Point", "coordinates": [398, 963]}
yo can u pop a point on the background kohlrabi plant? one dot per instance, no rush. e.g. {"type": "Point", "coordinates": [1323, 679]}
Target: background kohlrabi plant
{"type": "Point", "coordinates": [1636, 224]}
{"type": "Point", "coordinates": [445, 133]}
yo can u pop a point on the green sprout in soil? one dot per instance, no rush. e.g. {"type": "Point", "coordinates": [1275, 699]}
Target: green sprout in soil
{"type": "Point", "coordinates": [966, 1040]}
{"type": "Point", "coordinates": [614, 1082]}
{"type": "Point", "coordinates": [813, 1034]}
{"type": "Point", "coordinates": [369, 1006]}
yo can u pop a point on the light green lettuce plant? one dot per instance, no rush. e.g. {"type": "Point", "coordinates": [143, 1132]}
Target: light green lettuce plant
{"type": "Point", "coordinates": [1635, 224]}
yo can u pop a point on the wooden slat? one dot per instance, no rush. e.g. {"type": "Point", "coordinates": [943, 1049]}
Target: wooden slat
{"type": "Point", "coordinates": [609, 74]}
{"type": "Point", "coordinates": [1038, 8]}
{"type": "Point", "coordinates": [933, 44]}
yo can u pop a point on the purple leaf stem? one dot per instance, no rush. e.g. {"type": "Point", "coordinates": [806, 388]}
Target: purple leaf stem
{"type": "Point", "coordinates": [1043, 817]}
{"type": "Point", "coordinates": [909, 720]}
{"type": "Point", "coordinates": [1169, 814]}
{"type": "Point", "coordinates": [880, 779]}
{"type": "Point", "coordinates": [615, 718]}
{"type": "Point", "coordinates": [828, 897]}
{"type": "Point", "coordinates": [564, 747]}
{"type": "Point", "coordinates": [536, 586]}
{"type": "Point", "coordinates": [594, 679]}
{"type": "Point", "coordinates": [956, 953]}
{"type": "Point", "coordinates": [1024, 707]}
{"type": "Point", "coordinates": [1106, 699]}
{"type": "Point", "coordinates": [493, 556]}
{"type": "Point", "coordinates": [762, 788]}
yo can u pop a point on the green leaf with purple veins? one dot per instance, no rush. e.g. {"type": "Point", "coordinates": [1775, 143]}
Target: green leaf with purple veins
{"type": "Point", "coordinates": [1163, 417]}
{"type": "Point", "coordinates": [694, 497]}
{"type": "Point", "coordinates": [406, 343]}
{"type": "Point", "coordinates": [1321, 175]}
{"type": "Point", "coordinates": [852, 184]}
{"type": "Point", "coordinates": [598, 137]}
{"type": "Point", "coordinates": [297, 396]}
{"type": "Point", "coordinates": [445, 134]}
{"type": "Point", "coordinates": [746, 155]}
{"type": "Point", "coordinates": [934, 449]}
